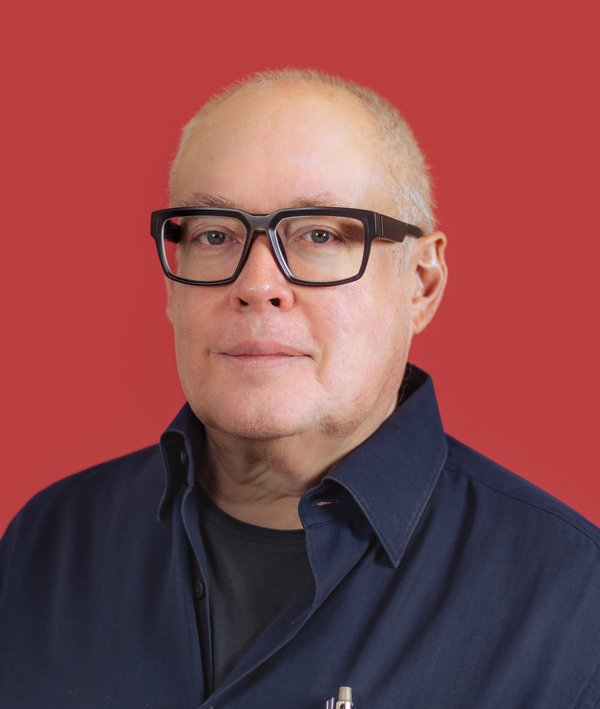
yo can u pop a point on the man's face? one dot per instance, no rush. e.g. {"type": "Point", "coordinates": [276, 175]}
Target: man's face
{"type": "Point", "coordinates": [263, 358]}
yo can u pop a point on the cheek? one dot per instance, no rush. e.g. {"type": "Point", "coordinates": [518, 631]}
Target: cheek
{"type": "Point", "coordinates": [363, 336]}
{"type": "Point", "coordinates": [191, 327]}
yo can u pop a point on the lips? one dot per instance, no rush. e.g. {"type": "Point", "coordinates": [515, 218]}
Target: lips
{"type": "Point", "coordinates": [263, 349]}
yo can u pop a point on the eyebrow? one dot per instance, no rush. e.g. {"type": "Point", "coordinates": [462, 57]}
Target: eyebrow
{"type": "Point", "coordinates": [205, 199]}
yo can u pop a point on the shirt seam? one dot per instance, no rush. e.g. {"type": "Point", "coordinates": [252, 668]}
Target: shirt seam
{"type": "Point", "coordinates": [524, 502]}
{"type": "Point", "coordinates": [593, 682]}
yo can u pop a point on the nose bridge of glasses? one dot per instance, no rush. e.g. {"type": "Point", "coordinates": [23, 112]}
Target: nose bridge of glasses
{"type": "Point", "coordinates": [265, 224]}
{"type": "Point", "coordinates": [251, 255]}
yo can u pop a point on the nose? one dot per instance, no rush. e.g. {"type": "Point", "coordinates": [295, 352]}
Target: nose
{"type": "Point", "coordinates": [261, 284]}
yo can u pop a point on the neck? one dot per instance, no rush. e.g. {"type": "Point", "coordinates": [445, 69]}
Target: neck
{"type": "Point", "coordinates": [261, 482]}
{"type": "Point", "coordinates": [258, 482]}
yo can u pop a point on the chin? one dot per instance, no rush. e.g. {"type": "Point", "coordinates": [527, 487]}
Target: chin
{"type": "Point", "coordinates": [257, 428]}
{"type": "Point", "coordinates": [256, 418]}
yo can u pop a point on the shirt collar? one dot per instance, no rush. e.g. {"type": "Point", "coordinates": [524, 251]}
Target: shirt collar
{"type": "Point", "coordinates": [391, 475]}
{"type": "Point", "coordinates": [181, 445]}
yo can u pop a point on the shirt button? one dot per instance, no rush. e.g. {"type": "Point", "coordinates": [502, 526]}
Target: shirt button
{"type": "Point", "coordinates": [198, 591]}
{"type": "Point", "coordinates": [183, 457]}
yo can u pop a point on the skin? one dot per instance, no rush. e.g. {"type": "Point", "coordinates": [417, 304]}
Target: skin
{"type": "Point", "coordinates": [288, 379]}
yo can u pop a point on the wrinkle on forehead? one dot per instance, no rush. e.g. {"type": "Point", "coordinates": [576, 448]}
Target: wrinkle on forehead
{"type": "Point", "coordinates": [204, 199]}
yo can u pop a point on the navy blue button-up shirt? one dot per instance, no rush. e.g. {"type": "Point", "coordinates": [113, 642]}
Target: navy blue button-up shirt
{"type": "Point", "coordinates": [442, 581]}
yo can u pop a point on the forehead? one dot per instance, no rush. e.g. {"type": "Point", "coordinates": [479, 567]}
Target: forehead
{"type": "Point", "coordinates": [264, 149]}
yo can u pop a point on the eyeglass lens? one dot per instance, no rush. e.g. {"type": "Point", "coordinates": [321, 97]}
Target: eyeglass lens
{"type": "Point", "coordinates": [315, 248]}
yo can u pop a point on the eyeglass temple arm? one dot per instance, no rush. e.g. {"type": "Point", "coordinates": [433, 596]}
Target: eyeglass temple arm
{"type": "Point", "coordinates": [394, 229]}
{"type": "Point", "coordinates": [172, 232]}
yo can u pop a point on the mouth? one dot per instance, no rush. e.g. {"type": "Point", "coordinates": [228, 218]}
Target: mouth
{"type": "Point", "coordinates": [263, 349]}
{"type": "Point", "coordinates": [262, 354]}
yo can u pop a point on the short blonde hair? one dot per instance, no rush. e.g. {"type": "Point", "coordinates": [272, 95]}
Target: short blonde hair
{"type": "Point", "coordinates": [409, 181]}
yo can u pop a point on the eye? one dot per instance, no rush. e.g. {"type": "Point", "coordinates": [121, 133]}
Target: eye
{"type": "Point", "coordinates": [211, 238]}
{"type": "Point", "coordinates": [318, 236]}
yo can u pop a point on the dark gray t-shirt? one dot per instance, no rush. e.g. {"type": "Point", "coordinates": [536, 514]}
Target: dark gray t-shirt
{"type": "Point", "coordinates": [254, 573]}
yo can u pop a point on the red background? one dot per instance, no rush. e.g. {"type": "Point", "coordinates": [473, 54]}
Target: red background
{"type": "Point", "coordinates": [502, 97]}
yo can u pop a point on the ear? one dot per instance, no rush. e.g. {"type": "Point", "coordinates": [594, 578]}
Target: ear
{"type": "Point", "coordinates": [428, 263]}
{"type": "Point", "coordinates": [169, 306]}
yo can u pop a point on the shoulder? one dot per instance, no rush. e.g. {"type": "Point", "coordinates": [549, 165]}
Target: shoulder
{"type": "Point", "coordinates": [103, 495]}
{"type": "Point", "coordinates": [512, 500]}
{"type": "Point", "coordinates": [105, 482]}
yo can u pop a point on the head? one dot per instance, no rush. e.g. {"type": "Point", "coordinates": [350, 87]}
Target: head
{"type": "Point", "coordinates": [265, 359]}
{"type": "Point", "coordinates": [403, 168]}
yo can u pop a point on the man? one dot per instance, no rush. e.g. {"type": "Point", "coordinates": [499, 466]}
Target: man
{"type": "Point", "coordinates": [315, 526]}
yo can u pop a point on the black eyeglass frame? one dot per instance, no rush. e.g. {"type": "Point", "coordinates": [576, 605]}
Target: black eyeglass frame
{"type": "Point", "coordinates": [376, 225]}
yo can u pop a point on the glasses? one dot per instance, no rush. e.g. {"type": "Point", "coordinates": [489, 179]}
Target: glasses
{"type": "Point", "coordinates": [206, 246]}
